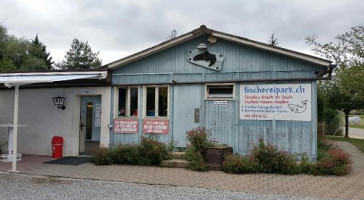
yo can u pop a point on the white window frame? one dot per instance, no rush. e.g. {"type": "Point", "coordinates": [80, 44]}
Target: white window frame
{"type": "Point", "coordinates": [156, 115]}
{"type": "Point", "coordinates": [127, 102]}
{"type": "Point", "coordinates": [207, 97]}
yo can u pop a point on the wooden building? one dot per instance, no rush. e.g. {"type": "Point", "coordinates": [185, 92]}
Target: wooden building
{"type": "Point", "coordinates": [241, 90]}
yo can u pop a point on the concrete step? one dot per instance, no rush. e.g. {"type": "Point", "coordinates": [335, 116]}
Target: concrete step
{"type": "Point", "coordinates": [178, 155]}
{"type": "Point", "coordinates": [175, 163]}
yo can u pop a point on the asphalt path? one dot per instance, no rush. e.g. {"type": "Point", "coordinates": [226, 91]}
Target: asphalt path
{"type": "Point", "coordinates": [356, 133]}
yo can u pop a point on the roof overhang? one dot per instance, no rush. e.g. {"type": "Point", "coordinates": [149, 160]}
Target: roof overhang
{"type": "Point", "coordinates": [16, 79]}
{"type": "Point", "coordinates": [204, 30]}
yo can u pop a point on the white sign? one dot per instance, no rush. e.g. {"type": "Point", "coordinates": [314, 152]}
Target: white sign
{"type": "Point", "coordinates": [220, 103]}
{"type": "Point", "coordinates": [97, 115]}
{"type": "Point", "coordinates": [275, 102]}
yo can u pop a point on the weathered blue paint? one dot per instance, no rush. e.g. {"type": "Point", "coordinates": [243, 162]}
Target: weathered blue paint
{"type": "Point", "coordinates": [241, 63]}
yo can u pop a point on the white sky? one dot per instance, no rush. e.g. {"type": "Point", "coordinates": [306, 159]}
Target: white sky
{"type": "Point", "coordinates": [120, 28]}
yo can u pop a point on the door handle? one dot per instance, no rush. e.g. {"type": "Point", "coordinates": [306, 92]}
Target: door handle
{"type": "Point", "coordinates": [82, 125]}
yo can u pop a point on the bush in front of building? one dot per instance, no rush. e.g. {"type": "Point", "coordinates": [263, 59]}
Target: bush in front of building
{"type": "Point", "coordinates": [102, 156]}
{"type": "Point", "coordinates": [270, 159]}
{"type": "Point", "coordinates": [199, 139]}
{"type": "Point", "coordinates": [266, 158]}
{"type": "Point", "coordinates": [337, 162]}
{"type": "Point", "coordinates": [148, 152]}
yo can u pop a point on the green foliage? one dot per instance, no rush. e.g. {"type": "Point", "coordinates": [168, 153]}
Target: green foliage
{"type": "Point", "coordinates": [198, 139]}
{"type": "Point", "coordinates": [239, 165]}
{"type": "Point", "coordinates": [102, 156]}
{"type": "Point", "coordinates": [39, 50]}
{"type": "Point", "coordinates": [148, 152]}
{"type": "Point", "coordinates": [152, 152]}
{"type": "Point", "coordinates": [18, 54]}
{"type": "Point", "coordinates": [266, 158]}
{"type": "Point", "coordinates": [80, 57]}
{"type": "Point", "coordinates": [346, 90]}
{"type": "Point", "coordinates": [196, 159]}
{"type": "Point", "coordinates": [336, 162]}
{"type": "Point", "coordinates": [271, 160]}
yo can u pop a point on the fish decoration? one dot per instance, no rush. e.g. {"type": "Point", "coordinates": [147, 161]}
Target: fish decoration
{"type": "Point", "coordinates": [206, 56]}
{"type": "Point", "coordinates": [207, 59]}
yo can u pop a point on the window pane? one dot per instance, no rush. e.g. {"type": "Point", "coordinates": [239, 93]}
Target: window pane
{"type": "Point", "coordinates": [133, 102]}
{"type": "Point", "coordinates": [163, 101]}
{"type": "Point", "coordinates": [150, 101]}
{"type": "Point", "coordinates": [220, 91]}
{"type": "Point", "coordinates": [122, 98]}
{"type": "Point", "coordinates": [89, 111]}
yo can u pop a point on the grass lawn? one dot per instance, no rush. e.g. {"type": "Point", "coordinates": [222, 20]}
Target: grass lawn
{"type": "Point", "coordinates": [360, 125]}
{"type": "Point", "coordinates": [359, 143]}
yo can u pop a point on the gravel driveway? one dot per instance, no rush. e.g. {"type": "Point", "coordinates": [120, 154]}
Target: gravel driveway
{"type": "Point", "coordinates": [19, 186]}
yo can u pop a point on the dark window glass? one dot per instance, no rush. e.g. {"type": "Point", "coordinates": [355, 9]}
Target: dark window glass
{"type": "Point", "coordinates": [133, 102]}
{"type": "Point", "coordinates": [89, 112]}
{"type": "Point", "coordinates": [220, 91]}
{"type": "Point", "coordinates": [150, 101]}
{"type": "Point", "coordinates": [122, 102]}
{"type": "Point", "coordinates": [163, 101]}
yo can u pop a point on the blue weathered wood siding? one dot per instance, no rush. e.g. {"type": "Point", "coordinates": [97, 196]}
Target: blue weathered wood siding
{"type": "Point", "coordinates": [241, 63]}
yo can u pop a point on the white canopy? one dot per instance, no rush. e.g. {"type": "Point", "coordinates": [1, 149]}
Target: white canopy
{"type": "Point", "coordinates": [16, 79]}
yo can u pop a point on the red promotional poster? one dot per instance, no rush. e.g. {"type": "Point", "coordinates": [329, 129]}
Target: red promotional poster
{"type": "Point", "coordinates": [126, 125]}
{"type": "Point", "coordinates": [155, 126]}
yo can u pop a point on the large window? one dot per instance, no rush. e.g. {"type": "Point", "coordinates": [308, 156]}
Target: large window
{"type": "Point", "coordinates": [220, 91]}
{"type": "Point", "coordinates": [156, 101]}
{"type": "Point", "coordinates": [128, 102]}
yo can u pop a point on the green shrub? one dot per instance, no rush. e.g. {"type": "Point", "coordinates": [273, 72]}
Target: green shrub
{"type": "Point", "coordinates": [148, 152]}
{"type": "Point", "coordinates": [336, 162]}
{"type": "Point", "coordinates": [196, 159]}
{"type": "Point", "coordinates": [126, 154]}
{"type": "Point", "coordinates": [198, 139]}
{"type": "Point", "coordinates": [102, 156]}
{"type": "Point", "coordinates": [272, 160]}
{"type": "Point", "coordinates": [239, 164]}
{"type": "Point", "coordinates": [152, 152]}
{"type": "Point", "coordinates": [267, 158]}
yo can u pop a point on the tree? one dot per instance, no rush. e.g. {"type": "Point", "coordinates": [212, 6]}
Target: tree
{"type": "Point", "coordinates": [15, 54]}
{"type": "Point", "coordinates": [273, 41]}
{"type": "Point", "coordinates": [172, 35]}
{"type": "Point", "coordinates": [346, 90]}
{"type": "Point", "coordinates": [79, 57]}
{"type": "Point", "coordinates": [39, 50]}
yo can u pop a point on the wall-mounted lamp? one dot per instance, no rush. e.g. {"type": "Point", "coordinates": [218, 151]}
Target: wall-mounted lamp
{"type": "Point", "coordinates": [59, 101]}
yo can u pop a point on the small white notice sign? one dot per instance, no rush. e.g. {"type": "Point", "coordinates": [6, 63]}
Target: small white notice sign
{"type": "Point", "coordinates": [220, 103]}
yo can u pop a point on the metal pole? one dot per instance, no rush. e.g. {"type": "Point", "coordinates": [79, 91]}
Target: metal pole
{"type": "Point", "coordinates": [15, 124]}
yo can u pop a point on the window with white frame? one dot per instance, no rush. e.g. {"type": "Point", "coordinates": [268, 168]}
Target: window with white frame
{"type": "Point", "coordinates": [156, 101]}
{"type": "Point", "coordinates": [128, 102]}
{"type": "Point", "coordinates": [220, 91]}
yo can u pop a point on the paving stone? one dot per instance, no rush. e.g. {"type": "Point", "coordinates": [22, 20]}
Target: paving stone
{"type": "Point", "coordinates": [330, 187]}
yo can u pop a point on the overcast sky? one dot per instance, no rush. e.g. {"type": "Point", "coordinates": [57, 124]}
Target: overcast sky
{"type": "Point", "coordinates": [120, 28]}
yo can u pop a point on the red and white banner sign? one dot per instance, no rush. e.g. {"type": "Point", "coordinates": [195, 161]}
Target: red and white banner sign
{"type": "Point", "coordinates": [156, 126]}
{"type": "Point", "coordinates": [126, 125]}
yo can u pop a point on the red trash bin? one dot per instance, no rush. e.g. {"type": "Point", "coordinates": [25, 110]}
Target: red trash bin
{"type": "Point", "coordinates": [57, 146]}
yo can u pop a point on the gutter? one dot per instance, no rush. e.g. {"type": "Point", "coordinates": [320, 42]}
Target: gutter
{"type": "Point", "coordinates": [234, 81]}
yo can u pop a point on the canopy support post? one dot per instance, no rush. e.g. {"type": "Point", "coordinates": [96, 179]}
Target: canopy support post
{"type": "Point", "coordinates": [15, 133]}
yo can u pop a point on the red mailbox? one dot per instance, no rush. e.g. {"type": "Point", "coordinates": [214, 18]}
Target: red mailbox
{"type": "Point", "coordinates": [57, 146]}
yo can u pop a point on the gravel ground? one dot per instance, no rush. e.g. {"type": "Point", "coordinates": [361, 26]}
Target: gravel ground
{"type": "Point", "coordinates": [19, 186]}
